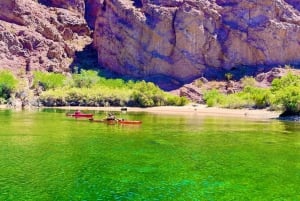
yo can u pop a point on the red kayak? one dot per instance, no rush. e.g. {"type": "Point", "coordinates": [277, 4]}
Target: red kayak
{"type": "Point", "coordinates": [80, 115]}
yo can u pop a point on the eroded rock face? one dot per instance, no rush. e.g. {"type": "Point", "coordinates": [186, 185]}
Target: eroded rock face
{"type": "Point", "coordinates": [182, 38]}
{"type": "Point", "coordinates": [34, 36]}
{"type": "Point", "coordinates": [73, 5]}
{"type": "Point", "coordinates": [92, 7]}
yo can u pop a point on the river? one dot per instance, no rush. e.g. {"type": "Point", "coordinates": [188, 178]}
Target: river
{"type": "Point", "coordinates": [45, 155]}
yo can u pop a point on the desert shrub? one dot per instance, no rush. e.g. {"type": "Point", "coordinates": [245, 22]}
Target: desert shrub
{"type": "Point", "coordinates": [2, 101]}
{"type": "Point", "coordinates": [250, 97]}
{"type": "Point", "coordinates": [228, 76]}
{"type": "Point", "coordinates": [130, 84]}
{"type": "Point", "coordinates": [236, 101]}
{"type": "Point", "coordinates": [85, 97]}
{"type": "Point", "coordinates": [286, 92]}
{"type": "Point", "coordinates": [86, 78]}
{"type": "Point", "coordinates": [146, 94]}
{"type": "Point", "coordinates": [142, 99]}
{"type": "Point", "coordinates": [288, 67]}
{"type": "Point", "coordinates": [112, 83]}
{"type": "Point", "coordinates": [288, 80]}
{"type": "Point", "coordinates": [289, 99]}
{"type": "Point", "coordinates": [98, 96]}
{"type": "Point", "coordinates": [198, 83]}
{"type": "Point", "coordinates": [260, 96]}
{"type": "Point", "coordinates": [248, 81]}
{"type": "Point", "coordinates": [88, 89]}
{"type": "Point", "coordinates": [213, 97]}
{"type": "Point", "coordinates": [8, 83]}
{"type": "Point", "coordinates": [48, 80]}
{"type": "Point", "coordinates": [176, 100]}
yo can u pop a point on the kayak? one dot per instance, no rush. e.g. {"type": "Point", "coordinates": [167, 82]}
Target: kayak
{"type": "Point", "coordinates": [80, 115]}
{"type": "Point", "coordinates": [119, 121]}
{"type": "Point", "coordinates": [108, 121]}
{"type": "Point", "coordinates": [129, 122]}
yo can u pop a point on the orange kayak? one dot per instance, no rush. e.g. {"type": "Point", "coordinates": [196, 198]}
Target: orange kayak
{"type": "Point", "coordinates": [129, 122]}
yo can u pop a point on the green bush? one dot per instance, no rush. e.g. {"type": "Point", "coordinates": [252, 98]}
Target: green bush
{"type": "Point", "coordinates": [85, 97]}
{"type": "Point", "coordinates": [286, 92]}
{"type": "Point", "coordinates": [99, 95]}
{"type": "Point", "coordinates": [86, 78]}
{"type": "Point", "coordinates": [228, 76]}
{"type": "Point", "coordinates": [2, 101]}
{"type": "Point", "coordinates": [176, 100]}
{"type": "Point", "coordinates": [48, 80]}
{"type": "Point", "coordinates": [88, 89]}
{"type": "Point", "coordinates": [250, 97]}
{"type": "Point", "coordinates": [248, 81]}
{"type": "Point", "coordinates": [260, 96]}
{"type": "Point", "coordinates": [236, 101]}
{"type": "Point", "coordinates": [146, 94]}
{"type": "Point", "coordinates": [213, 97]}
{"type": "Point", "coordinates": [112, 83]}
{"type": "Point", "coordinates": [288, 80]}
{"type": "Point", "coordinates": [8, 84]}
{"type": "Point", "coordinates": [289, 99]}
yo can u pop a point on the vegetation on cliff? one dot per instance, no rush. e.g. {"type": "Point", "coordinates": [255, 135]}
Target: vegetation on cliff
{"type": "Point", "coordinates": [8, 83]}
{"type": "Point", "coordinates": [88, 89]}
{"type": "Point", "coordinates": [283, 94]}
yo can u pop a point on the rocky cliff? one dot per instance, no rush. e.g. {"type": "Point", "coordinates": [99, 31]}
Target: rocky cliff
{"type": "Point", "coordinates": [36, 36]}
{"type": "Point", "coordinates": [184, 38]}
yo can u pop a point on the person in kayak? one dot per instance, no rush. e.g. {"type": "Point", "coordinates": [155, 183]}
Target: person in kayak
{"type": "Point", "coordinates": [111, 116]}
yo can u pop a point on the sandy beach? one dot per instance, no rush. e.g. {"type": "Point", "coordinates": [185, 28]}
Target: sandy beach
{"type": "Point", "coordinates": [192, 109]}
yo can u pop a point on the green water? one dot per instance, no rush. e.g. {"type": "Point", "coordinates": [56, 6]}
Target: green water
{"type": "Point", "coordinates": [46, 156]}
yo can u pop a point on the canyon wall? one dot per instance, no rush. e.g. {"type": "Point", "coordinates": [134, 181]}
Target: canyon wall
{"type": "Point", "coordinates": [184, 38]}
{"type": "Point", "coordinates": [35, 36]}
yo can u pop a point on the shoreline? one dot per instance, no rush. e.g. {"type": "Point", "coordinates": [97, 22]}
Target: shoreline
{"type": "Point", "coordinates": [196, 109]}
{"type": "Point", "coordinates": [188, 110]}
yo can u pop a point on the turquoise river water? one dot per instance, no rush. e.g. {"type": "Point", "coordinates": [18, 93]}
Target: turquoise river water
{"type": "Point", "coordinates": [45, 155]}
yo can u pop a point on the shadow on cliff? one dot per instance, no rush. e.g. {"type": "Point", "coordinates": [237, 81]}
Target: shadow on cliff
{"type": "Point", "coordinates": [88, 59]}
{"type": "Point", "coordinates": [241, 71]}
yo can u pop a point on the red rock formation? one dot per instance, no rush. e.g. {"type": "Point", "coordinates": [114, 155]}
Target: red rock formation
{"type": "Point", "coordinates": [73, 5]}
{"type": "Point", "coordinates": [33, 36]}
{"type": "Point", "coordinates": [181, 38]}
